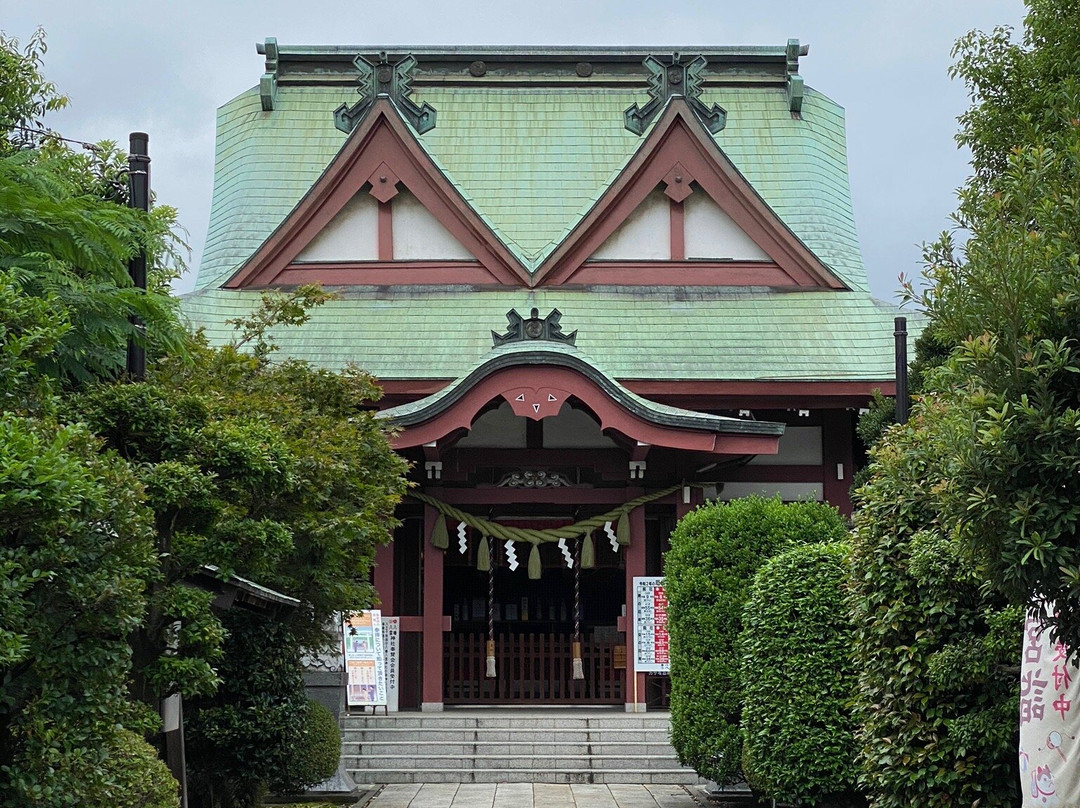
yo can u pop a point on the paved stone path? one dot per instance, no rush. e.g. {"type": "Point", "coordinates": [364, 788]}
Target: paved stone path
{"type": "Point", "coordinates": [531, 795]}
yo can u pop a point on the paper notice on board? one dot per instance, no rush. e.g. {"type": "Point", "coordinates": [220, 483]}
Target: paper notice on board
{"type": "Point", "coordinates": [365, 660]}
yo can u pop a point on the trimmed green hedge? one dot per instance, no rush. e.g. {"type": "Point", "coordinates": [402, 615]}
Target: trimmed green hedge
{"type": "Point", "coordinates": [318, 752]}
{"type": "Point", "coordinates": [136, 776]}
{"type": "Point", "coordinates": [715, 551]}
{"type": "Point", "coordinates": [798, 679]}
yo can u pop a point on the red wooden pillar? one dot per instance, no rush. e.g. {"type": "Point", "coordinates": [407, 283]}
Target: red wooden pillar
{"type": "Point", "coordinates": [384, 578]}
{"type": "Point", "coordinates": [635, 566]}
{"type": "Point", "coordinates": [838, 457]}
{"type": "Point", "coordinates": [431, 699]}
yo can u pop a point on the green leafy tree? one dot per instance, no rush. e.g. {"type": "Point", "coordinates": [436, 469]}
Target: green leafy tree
{"type": "Point", "coordinates": [936, 654]}
{"type": "Point", "coordinates": [799, 678]}
{"type": "Point", "coordinates": [1008, 298]}
{"type": "Point", "coordinates": [715, 552]}
{"type": "Point", "coordinates": [76, 539]}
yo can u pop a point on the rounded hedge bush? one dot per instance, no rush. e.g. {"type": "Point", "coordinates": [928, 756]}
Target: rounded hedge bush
{"type": "Point", "coordinates": [134, 776]}
{"type": "Point", "coordinates": [798, 678]}
{"type": "Point", "coordinates": [715, 552]}
{"type": "Point", "coordinates": [319, 749]}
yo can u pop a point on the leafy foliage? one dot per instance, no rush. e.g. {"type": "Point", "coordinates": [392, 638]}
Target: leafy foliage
{"type": "Point", "coordinates": [25, 95]}
{"type": "Point", "coordinates": [318, 751]}
{"type": "Point", "coordinates": [249, 734]}
{"type": "Point", "coordinates": [798, 678]}
{"type": "Point", "coordinates": [936, 703]}
{"type": "Point", "coordinates": [138, 777]}
{"type": "Point", "coordinates": [715, 552]}
{"type": "Point", "coordinates": [75, 552]}
{"type": "Point", "coordinates": [1009, 299]}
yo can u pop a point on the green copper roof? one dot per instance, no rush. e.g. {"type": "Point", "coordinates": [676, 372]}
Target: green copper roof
{"type": "Point", "coordinates": [632, 333]}
{"type": "Point", "coordinates": [531, 160]}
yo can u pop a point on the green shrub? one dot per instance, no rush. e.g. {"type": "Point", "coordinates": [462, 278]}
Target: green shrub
{"type": "Point", "coordinates": [936, 702]}
{"type": "Point", "coordinates": [246, 737]}
{"type": "Point", "coordinates": [715, 551]}
{"type": "Point", "coordinates": [137, 777]}
{"type": "Point", "coordinates": [798, 678]}
{"type": "Point", "coordinates": [318, 752]}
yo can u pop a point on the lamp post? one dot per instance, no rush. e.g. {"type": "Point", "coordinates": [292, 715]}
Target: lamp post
{"type": "Point", "coordinates": [900, 349]}
{"type": "Point", "coordinates": [139, 198]}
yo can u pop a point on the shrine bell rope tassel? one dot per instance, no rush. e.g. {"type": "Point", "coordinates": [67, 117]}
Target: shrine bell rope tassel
{"type": "Point", "coordinates": [440, 538]}
{"type": "Point", "coordinates": [489, 661]}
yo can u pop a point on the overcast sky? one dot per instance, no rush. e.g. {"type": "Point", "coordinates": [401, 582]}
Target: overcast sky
{"type": "Point", "coordinates": [164, 67]}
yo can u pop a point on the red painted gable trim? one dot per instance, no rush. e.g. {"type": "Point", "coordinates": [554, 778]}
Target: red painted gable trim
{"type": "Point", "coordinates": [681, 273]}
{"type": "Point", "coordinates": [525, 384]}
{"type": "Point", "coordinates": [679, 139]}
{"type": "Point", "coordinates": [381, 138]}
{"type": "Point", "coordinates": [386, 273]}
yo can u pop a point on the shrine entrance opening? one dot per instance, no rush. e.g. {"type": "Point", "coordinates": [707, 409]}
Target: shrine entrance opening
{"type": "Point", "coordinates": [533, 626]}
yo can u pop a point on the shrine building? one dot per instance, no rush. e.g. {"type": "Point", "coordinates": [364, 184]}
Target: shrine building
{"type": "Point", "coordinates": [599, 287]}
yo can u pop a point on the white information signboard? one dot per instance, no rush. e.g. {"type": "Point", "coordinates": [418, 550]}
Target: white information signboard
{"type": "Point", "coordinates": [365, 662]}
{"type": "Point", "coordinates": [391, 632]}
{"type": "Point", "coordinates": [650, 626]}
{"type": "Point", "coordinates": [1049, 723]}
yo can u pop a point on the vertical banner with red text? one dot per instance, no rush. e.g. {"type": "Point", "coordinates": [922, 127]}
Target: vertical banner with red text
{"type": "Point", "coordinates": [1049, 723]}
{"type": "Point", "coordinates": [650, 626]}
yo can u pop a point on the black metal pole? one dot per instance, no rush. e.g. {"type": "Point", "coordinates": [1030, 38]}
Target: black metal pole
{"type": "Point", "coordinates": [138, 197]}
{"type": "Point", "coordinates": [902, 401]}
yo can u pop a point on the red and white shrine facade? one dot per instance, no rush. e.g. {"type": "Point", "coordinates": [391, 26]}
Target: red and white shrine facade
{"type": "Point", "coordinates": [599, 287]}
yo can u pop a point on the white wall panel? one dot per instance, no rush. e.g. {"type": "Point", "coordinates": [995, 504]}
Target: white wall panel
{"type": "Point", "coordinates": [352, 235]}
{"type": "Point", "coordinates": [644, 236]}
{"type": "Point", "coordinates": [711, 233]}
{"type": "Point", "coordinates": [419, 236]}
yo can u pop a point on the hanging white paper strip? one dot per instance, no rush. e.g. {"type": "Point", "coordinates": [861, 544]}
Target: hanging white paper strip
{"type": "Point", "coordinates": [511, 555]}
{"type": "Point", "coordinates": [461, 543]}
{"type": "Point", "coordinates": [566, 554]}
{"type": "Point", "coordinates": [612, 538]}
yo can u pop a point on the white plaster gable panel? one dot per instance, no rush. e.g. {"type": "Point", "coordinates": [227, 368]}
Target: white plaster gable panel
{"type": "Point", "coordinates": [352, 235]}
{"type": "Point", "coordinates": [711, 233]}
{"type": "Point", "coordinates": [644, 236]}
{"type": "Point", "coordinates": [419, 236]}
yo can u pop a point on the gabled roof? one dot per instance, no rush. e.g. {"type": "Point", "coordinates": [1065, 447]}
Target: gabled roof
{"type": "Point", "coordinates": [679, 149]}
{"type": "Point", "coordinates": [382, 149]}
{"type": "Point", "coordinates": [532, 152]}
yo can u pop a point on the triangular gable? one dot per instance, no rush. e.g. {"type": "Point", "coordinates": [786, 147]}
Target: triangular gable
{"type": "Point", "coordinates": [379, 157]}
{"type": "Point", "coordinates": [681, 158]}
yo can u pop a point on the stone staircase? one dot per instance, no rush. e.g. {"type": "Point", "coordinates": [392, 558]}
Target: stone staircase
{"type": "Point", "coordinates": [512, 746]}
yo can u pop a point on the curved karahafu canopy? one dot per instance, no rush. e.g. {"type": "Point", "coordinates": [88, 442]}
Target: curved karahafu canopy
{"type": "Point", "coordinates": [537, 380]}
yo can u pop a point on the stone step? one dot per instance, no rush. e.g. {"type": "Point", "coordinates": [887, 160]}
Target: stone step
{"type": "Point", "coordinates": [656, 735]}
{"type": "Point", "coordinates": [539, 762]}
{"type": "Point", "coordinates": [581, 775]}
{"type": "Point", "coordinates": [419, 746]}
{"type": "Point", "coordinates": [414, 721]}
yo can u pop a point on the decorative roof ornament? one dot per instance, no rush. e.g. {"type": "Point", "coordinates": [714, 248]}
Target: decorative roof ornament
{"type": "Point", "coordinates": [794, 81]}
{"type": "Point", "coordinates": [519, 329]}
{"type": "Point", "coordinates": [675, 77]}
{"type": "Point", "coordinates": [268, 82]}
{"type": "Point", "coordinates": [392, 81]}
